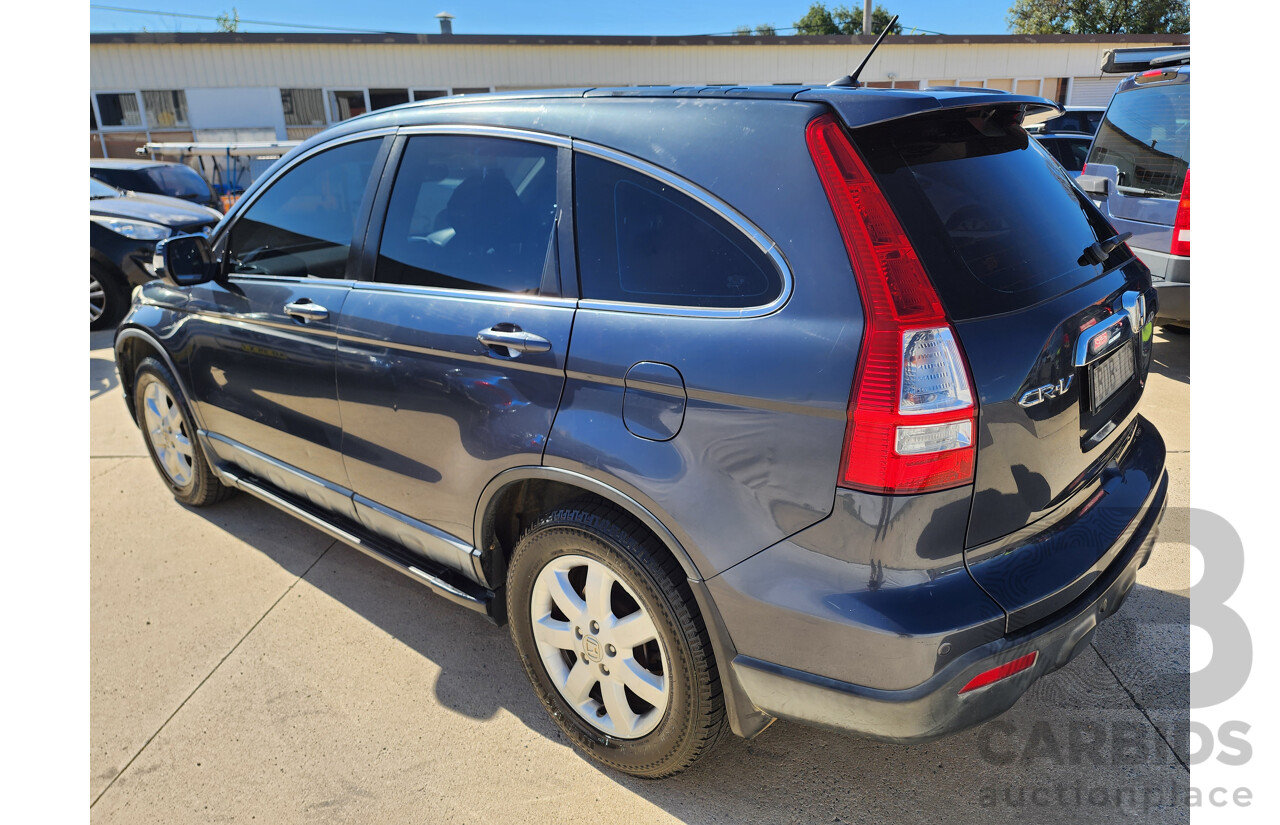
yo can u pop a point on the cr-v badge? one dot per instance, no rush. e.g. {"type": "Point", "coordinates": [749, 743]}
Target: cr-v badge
{"type": "Point", "coordinates": [1032, 397]}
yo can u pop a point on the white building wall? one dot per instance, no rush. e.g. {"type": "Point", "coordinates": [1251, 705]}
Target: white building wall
{"type": "Point", "coordinates": [236, 108]}
{"type": "Point", "coordinates": [322, 65]}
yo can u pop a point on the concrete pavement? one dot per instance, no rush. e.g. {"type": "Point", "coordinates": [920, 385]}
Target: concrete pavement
{"type": "Point", "coordinates": [245, 667]}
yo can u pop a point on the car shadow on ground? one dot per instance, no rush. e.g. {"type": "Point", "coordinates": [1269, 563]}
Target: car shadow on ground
{"type": "Point", "coordinates": [1171, 356]}
{"type": "Point", "coordinates": [102, 371]}
{"type": "Point", "coordinates": [793, 773]}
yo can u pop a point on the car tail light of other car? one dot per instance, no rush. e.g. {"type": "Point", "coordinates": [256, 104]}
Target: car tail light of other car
{"type": "Point", "coordinates": [911, 414]}
{"type": "Point", "coordinates": [1181, 244]}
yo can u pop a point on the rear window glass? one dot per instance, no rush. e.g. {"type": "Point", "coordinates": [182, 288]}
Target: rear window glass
{"type": "Point", "coordinates": [995, 219]}
{"type": "Point", "coordinates": [641, 241]}
{"type": "Point", "coordinates": [1146, 135]}
{"type": "Point", "coordinates": [179, 181]}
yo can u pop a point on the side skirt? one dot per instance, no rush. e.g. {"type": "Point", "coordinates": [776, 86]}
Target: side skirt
{"type": "Point", "coordinates": [442, 581]}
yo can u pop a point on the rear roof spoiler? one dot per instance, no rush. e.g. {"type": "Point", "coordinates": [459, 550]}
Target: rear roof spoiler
{"type": "Point", "coordinates": [863, 107]}
{"type": "Point", "coordinates": [1139, 59]}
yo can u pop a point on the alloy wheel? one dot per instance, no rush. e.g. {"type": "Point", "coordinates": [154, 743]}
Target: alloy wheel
{"type": "Point", "coordinates": [600, 646]}
{"type": "Point", "coordinates": [97, 298]}
{"type": "Point", "coordinates": [167, 431]}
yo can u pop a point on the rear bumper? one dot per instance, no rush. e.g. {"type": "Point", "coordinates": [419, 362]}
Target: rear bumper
{"type": "Point", "coordinates": [1171, 275]}
{"type": "Point", "coordinates": [1175, 303]}
{"type": "Point", "coordinates": [935, 707]}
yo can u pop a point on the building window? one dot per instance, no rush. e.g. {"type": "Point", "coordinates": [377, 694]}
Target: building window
{"type": "Point", "coordinates": [166, 109]}
{"type": "Point", "coordinates": [302, 107]}
{"type": "Point", "coordinates": [470, 90]}
{"type": "Point", "coordinates": [93, 118]}
{"type": "Point", "coordinates": [1004, 84]}
{"type": "Point", "coordinates": [347, 104]}
{"type": "Point", "coordinates": [429, 94]}
{"type": "Point", "coordinates": [119, 110]}
{"type": "Point", "coordinates": [382, 98]}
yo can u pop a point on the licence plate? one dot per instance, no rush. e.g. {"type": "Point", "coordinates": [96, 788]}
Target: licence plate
{"type": "Point", "coordinates": [1110, 374]}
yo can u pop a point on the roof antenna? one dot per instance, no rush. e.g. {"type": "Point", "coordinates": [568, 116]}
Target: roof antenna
{"type": "Point", "coordinates": [852, 80]}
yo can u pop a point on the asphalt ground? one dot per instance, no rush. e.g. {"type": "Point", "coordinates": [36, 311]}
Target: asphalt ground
{"type": "Point", "coordinates": [247, 668]}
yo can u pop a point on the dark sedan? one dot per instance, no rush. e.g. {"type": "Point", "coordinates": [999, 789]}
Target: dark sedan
{"type": "Point", "coordinates": [153, 177]}
{"type": "Point", "coordinates": [123, 230]}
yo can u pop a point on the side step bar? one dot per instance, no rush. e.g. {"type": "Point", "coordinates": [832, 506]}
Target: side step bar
{"type": "Point", "coordinates": [443, 582]}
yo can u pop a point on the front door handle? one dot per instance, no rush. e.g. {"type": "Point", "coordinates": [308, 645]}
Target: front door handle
{"type": "Point", "coordinates": [509, 340]}
{"type": "Point", "coordinates": [306, 310]}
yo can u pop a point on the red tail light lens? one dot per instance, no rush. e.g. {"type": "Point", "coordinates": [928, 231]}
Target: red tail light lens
{"type": "Point", "coordinates": [911, 415]}
{"type": "Point", "coordinates": [988, 677]}
{"type": "Point", "coordinates": [1181, 244]}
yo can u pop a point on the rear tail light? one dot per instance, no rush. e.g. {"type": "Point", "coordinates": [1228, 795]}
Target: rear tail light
{"type": "Point", "coordinates": [1181, 244]}
{"type": "Point", "coordinates": [911, 416]}
{"type": "Point", "coordinates": [1004, 671]}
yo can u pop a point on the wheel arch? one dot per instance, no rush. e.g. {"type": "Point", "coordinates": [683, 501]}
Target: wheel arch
{"type": "Point", "coordinates": [514, 496]}
{"type": "Point", "coordinates": [132, 345]}
{"type": "Point", "coordinates": [536, 489]}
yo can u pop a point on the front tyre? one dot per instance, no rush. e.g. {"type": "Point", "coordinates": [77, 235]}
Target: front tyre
{"type": "Point", "coordinates": [612, 640]}
{"type": "Point", "coordinates": [166, 426]}
{"type": "Point", "coordinates": [108, 298]}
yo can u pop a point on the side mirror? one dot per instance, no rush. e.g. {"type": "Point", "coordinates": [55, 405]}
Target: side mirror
{"type": "Point", "coordinates": [184, 260]}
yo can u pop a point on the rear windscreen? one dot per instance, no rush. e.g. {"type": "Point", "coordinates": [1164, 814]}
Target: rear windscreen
{"type": "Point", "coordinates": [1146, 135]}
{"type": "Point", "coordinates": [179, 181]}
{"type": "Point", "coordinates": [996, 221]}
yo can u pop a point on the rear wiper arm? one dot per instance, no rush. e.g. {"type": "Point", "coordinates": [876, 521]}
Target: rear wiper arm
{"type": "Point", "coordinates": [1138, 190]}
{"type": "Point", "coordinates": [1097, 253]}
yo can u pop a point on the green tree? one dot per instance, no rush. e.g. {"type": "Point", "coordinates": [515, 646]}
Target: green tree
{"type": "Point", "coordinates": [844, 20]}
{"type": "Point", "coordinates": [1099, 17]}
{"type": "Point", "coordinates": [228, 22]}
{"type": "Point", "coordinates": [818, 20]}
{"type": "Point", "coordinates": [766, 30]}
{"type": "Point", "coordinates": [850, 20]}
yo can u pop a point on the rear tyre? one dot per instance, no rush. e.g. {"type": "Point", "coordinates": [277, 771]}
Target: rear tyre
{"type": "Point", "coordinates": [108, 298]}
{"type": "Point", "coordinates": [612, 641]}
{"type": "Point", "coordinates": [165, 421]}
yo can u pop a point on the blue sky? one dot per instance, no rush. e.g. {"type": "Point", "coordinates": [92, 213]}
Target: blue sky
{"type": "Point", "coordinates": [549, 17]}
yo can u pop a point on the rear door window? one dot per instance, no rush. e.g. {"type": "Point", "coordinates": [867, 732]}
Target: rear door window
{"type": "Point", "coordinates": [1146, 135]}
{"type": "Point", "coordinates": [472, 213]}
{"type": "Point", "coordinates": [997, 221]}
{"type": "Point", "coordinates": [641, 241]}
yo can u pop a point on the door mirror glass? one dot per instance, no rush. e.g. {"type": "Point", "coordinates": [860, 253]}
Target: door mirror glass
{"type": "Point", "coordinates": [184, 260]}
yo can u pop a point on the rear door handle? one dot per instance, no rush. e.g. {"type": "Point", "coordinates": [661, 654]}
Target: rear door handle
{"type": "Point", "coordinates": [306, 310]}
{"type": "Point", "coordinates": [513, 339]}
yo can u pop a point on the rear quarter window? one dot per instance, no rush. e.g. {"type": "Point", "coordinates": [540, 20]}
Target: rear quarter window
{"type": "Point", "coordinates": [642, 241]}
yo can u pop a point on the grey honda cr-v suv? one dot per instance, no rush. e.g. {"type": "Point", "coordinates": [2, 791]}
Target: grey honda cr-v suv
{"type": "Point", "coordinates": [736, 403]}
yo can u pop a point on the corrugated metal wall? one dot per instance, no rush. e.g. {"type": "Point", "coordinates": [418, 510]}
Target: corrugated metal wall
{"type": "Point", "coordinates": [311, 65]}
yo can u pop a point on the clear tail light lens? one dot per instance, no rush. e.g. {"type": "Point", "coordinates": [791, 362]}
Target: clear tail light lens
{"type": "Point", "coordinates": [911, 416]}
{"type": "Point", "coordinates": [933, 376]}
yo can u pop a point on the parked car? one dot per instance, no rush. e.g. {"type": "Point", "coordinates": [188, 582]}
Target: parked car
{"type": "Point", "coordinates": [153, 177]}
{"type": "Point", "coordinates": [839, 438]}
{"type": "Point", "coordinates": [1068, 149]}
{"type": "Point", "coordinates": [123, 230]}
{"type": "Point", "coordinates": [1081, 120]}
{"type": "Point", "coordinates": [1139, 174]}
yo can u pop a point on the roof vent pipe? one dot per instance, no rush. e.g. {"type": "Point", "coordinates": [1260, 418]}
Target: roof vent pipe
{"type": "Point", "coordinates": [446, 22]}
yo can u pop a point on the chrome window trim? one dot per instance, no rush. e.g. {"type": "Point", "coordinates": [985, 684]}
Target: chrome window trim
{"type": "Point", "coordinates": [757, 236]}
{"type": "Point", "coordinates": [523, 298]}
{"type": "Point", "coordinates": [479, 130]}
